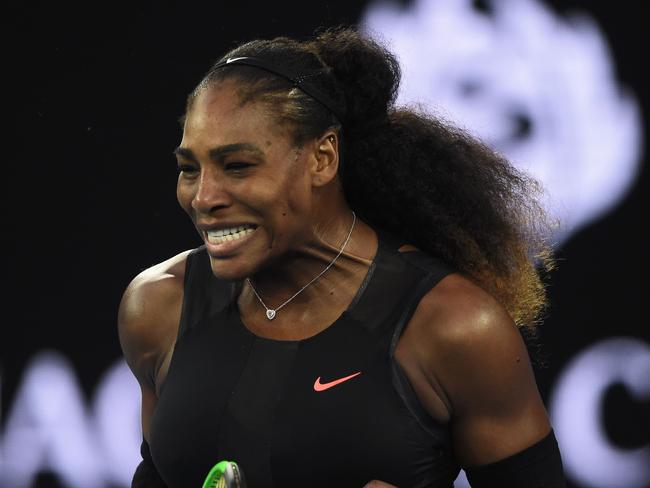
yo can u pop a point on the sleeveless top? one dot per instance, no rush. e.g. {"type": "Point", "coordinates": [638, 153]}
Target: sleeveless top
{"type": "Point", "coordinates": [231, 395]}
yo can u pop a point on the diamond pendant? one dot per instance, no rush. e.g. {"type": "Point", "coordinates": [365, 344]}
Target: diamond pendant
{"type": "Point", "coordinates": [270, 314]}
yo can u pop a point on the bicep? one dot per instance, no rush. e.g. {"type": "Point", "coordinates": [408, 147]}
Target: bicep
{"type": "Point", "coordinates": [478, 357]}
{"type": "Point", "coordinates": [147, 326]}
{"type": "Point", "coordinates": [138, 349]}
{"type": "Point", "coordinates": [498, 411]}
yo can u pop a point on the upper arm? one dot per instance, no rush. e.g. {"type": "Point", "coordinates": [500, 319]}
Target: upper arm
{"type": "Point", "coordinates": [148, 319]}
{"type": "Point", "coordinates": [479, 360]}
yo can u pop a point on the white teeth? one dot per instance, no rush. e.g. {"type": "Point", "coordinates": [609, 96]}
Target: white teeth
{"type": "Point", "coordinates": [232, 234]}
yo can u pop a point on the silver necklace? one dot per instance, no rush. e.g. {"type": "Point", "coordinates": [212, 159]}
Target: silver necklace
{"type": "Point", "coordinates": [270, 312]}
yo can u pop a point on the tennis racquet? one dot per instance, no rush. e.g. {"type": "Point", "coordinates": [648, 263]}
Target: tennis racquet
{"type": "Point", "coordinates": [225, 474]}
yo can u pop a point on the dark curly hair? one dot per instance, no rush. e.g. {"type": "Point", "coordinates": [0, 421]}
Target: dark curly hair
{"type": "Point", "coordinates": [403, 170]}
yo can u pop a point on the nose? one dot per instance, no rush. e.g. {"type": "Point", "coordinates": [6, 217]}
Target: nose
{"type": "Point", "coordinates": [211, 193]}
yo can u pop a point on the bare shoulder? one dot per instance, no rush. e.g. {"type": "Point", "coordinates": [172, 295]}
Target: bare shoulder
{"type": "Point", "coordinates": [457, 312]}
{"type": "Point", "coordinates": [468, 341]}
{"type": "Point", "coordinates": [149, 314]}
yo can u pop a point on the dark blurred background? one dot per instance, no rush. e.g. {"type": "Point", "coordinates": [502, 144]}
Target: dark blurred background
{"type": "Point", "coordinates": [95, 92]}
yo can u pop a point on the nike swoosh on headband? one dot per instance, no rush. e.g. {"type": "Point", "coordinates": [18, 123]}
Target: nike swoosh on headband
{"type": "Point", "coordinates": [318, 386]}
{"type": "Point", "coordinates": [299, 79]}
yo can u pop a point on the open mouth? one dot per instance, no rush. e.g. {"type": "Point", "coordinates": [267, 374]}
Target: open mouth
{"type": "Point", "coordinates": [231, 234]}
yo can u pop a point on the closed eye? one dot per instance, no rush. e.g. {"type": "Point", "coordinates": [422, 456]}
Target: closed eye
{"type": "Point", "coordinates": [186, 168]}
{"type": "Point", "coordinates": [237, 166]}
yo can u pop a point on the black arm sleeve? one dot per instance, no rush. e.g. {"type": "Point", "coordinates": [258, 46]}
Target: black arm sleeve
{"type": "Point", "coordinates": [539, 466]}
{"type": "Point", "coordinates": [146, 475]}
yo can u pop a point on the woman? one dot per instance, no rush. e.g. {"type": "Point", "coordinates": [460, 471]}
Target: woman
{"type": "Point", "coordinates": [353, 314]}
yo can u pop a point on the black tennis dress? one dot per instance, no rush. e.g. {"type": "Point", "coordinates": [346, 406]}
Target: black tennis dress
{"type": "Point", "coordinates": [333, 410]}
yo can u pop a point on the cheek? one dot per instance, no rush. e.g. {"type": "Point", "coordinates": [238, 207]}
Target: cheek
{"type": "Point", "coordinates": [298, 195]}
{"type": "Point", "coordinates": [184, 196]}
{"type": "Point", "coordinates": [285, 208]}
{"type": "Point", "coordinates": [296, 187]}
{"type": "Point", "coordinates": [266, 195]}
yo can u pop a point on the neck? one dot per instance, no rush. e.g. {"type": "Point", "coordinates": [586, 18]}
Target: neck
{"type": "Point", "coordinates": [284, 278]}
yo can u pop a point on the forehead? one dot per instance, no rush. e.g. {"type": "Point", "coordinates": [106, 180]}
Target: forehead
{"type": "Point", "coordinates": [217, 115]}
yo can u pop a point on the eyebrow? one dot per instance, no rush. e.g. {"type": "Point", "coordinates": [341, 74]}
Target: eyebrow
{"type": "Point", "coordinates": [219, 152]}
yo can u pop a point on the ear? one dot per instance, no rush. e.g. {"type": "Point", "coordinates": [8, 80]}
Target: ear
{"type": "Point", "coordinates": [326, 159]}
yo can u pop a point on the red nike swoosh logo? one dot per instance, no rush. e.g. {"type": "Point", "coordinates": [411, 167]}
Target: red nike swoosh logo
{"type": "Point", "coordinates": [318, 386]}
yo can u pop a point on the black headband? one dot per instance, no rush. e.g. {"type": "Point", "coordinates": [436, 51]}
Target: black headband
{"type": "Point", "coordinates": [299, 80]}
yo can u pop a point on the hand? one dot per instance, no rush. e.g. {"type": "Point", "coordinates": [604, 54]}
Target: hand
{"type": "Point", "coordinates": [378, 484]}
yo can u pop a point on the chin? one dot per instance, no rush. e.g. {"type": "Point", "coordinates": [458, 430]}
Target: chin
{"type": "Point", "coordinates": [224, 271]}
